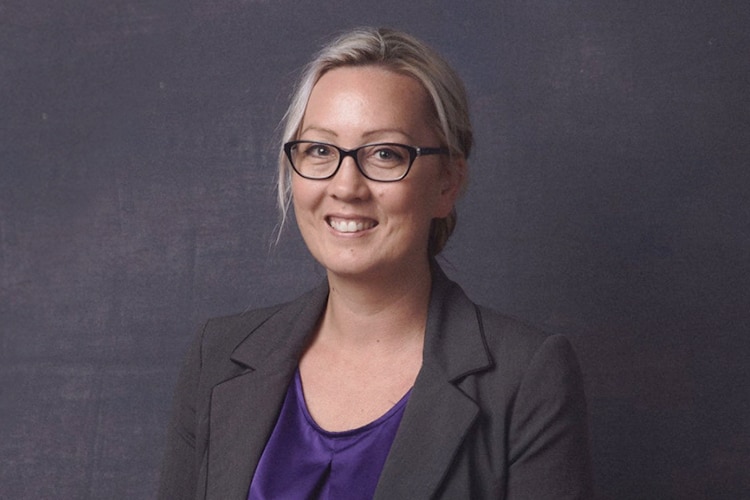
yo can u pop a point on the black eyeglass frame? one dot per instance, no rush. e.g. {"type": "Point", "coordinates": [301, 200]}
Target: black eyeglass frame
{"type": "Point", "coordinates": [414, 153]}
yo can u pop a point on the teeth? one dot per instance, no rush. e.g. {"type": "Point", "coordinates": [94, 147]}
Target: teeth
{"type": "Point", "coordinates": [350, 226]}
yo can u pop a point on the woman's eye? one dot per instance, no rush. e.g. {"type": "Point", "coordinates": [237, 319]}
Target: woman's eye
{"type": "Point", "coordinates": [318, 150]}
{"type": "Point", "coordinates": [387, 155]}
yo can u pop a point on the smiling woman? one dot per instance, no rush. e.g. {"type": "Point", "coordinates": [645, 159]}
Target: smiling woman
{"type": "Point", "coordinates": [353, 106]}
{"type": "Point", "coordinates": [386, 381]}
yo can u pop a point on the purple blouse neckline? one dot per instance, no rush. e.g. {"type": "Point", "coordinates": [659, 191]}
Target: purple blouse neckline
{"type": "Point", "coordinates": [395, 410]}
{"type": "Point", "coordinates": [301, 460]}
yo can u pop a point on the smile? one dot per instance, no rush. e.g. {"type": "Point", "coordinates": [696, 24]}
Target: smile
{"type": "Point", "coordinates": [350, 226]}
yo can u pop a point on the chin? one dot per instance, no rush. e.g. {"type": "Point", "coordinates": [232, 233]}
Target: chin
{"type": "Point", "coordinates": [348, 265]}
{"type": "Point", "coordinates": [348, 268]}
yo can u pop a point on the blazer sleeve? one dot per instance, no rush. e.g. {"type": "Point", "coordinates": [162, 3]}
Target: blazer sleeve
{"type": "Point", "coordinates": [548, 440]}
{"type": "Point", "coordinates": [179, 466]}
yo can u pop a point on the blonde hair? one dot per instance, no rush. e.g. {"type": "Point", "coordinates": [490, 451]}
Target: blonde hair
{"type": "Point", "coordinates": [403, 54]}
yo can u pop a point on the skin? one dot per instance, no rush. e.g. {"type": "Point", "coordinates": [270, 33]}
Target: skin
{"type": "Point", "coordinates": [367, 350]}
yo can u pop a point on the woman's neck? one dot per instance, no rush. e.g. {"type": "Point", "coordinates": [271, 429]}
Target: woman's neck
{"type": "Point", "coordinates": [380, 311]}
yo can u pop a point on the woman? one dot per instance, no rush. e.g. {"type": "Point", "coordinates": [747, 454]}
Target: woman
{"type": "Point", "coordinates": [386, 381]}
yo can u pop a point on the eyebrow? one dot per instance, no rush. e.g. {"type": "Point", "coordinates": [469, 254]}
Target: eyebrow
{"type": "Point", "coordinates": [319, 129]}
{"type": "Point", "coordinates": [367, 134]}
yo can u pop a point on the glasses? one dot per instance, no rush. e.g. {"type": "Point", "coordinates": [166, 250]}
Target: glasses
{"type": "Point", "coordinates": [383, 162]}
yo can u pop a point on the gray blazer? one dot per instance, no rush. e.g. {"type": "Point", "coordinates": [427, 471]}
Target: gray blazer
{"type": "Point", "coordinates": [497, 410]}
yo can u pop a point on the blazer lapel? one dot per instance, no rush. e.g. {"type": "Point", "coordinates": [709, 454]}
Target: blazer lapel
{"type": "Point", "coordinates": [438, 415]}
{"type": "Point", "coordinates": [432, 429]}
{"type": "Point", "coordinates": [269, 355]}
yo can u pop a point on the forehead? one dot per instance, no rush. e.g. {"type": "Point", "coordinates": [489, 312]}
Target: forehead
{"type": "Point", "coordinates": [374, 73]}
{"type": "Point", "coordinates": [367, 96]}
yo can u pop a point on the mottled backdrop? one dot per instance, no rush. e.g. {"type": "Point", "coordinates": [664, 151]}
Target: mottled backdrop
{"type": "Point", "coordinates": [608, 201]}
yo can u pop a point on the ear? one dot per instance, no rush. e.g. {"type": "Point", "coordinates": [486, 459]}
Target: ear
{"type": "Point", "coordinates": [452, 181]}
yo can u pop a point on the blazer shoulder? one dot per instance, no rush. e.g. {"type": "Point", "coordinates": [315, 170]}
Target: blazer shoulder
{"type": "Point", "coordinates": [512, 342]}
{"type": "Point", "coordinates": [500, 327]}
{"type": "Point", "coordinates": [468, 337]}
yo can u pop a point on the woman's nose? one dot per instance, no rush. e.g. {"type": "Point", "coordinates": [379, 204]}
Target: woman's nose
{"type": "Point", "coordinates": [349, 183]}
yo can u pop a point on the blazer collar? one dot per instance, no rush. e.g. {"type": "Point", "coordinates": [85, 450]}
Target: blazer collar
{"type": "Point", "coordinates": [244, 408]}
{"type": "Point", "coordinates": [454, 341]}
{"type": "Point", "coordinates": [454, 348]}
{"type": "Point", "coordinates": [284, 335]}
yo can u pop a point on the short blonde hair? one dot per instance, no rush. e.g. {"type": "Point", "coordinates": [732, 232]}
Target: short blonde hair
{"type": "Point", "coordinates": [403, 54]}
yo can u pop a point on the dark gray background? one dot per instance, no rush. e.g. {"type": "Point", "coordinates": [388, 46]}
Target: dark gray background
{"type": "Point", "coordinates": [608, 201]}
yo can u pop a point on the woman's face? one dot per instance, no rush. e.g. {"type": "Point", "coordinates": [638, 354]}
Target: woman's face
{"type": "Point", "coordinates": [350, 107]}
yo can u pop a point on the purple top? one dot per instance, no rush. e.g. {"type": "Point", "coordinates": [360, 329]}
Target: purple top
{"type": "Point", "coordinates": [302, 461]}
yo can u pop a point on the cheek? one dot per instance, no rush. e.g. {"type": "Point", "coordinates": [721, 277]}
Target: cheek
{"type": "Point", "coordinates": [415, 207]}
{"type": "Point", "coordinates": [396, 202]}
{"type": "Point", "coordinates": [302, 195]}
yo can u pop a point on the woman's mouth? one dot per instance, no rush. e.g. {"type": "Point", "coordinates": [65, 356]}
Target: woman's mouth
{"type": "Point", "coordinates": [350, 225]}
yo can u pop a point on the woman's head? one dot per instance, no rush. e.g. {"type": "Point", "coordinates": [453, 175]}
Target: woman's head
{"type": "Point", "coordinates": [400, 53]}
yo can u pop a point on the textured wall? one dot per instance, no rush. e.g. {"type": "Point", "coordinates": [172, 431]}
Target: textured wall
{"type": "Point", "coordinates": [608, 201]}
